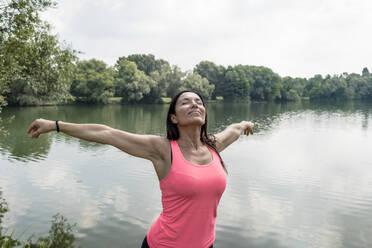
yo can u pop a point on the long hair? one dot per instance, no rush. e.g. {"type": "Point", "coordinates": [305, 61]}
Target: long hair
{"type": "Point", "coordinates": [205, 138]}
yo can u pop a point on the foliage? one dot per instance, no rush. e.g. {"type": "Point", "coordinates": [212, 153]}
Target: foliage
{"type": "Point", "coordinates": [215, 75]}
{"type": "Point", "coordinates": [60, 233]}
{"type": "Point", "coordinates": [292, 88]}
{"type": "Point", "coordinates": [34, 66]}
{"type": "Point", "coordinates": [131, 83]}
{"type": "Point", "coordinates": [93, 81]}
{"type": "Point", "coordinates": [365, 72]}
{"type": "Point", "coordinates": [264, 83]}
{"type": "Point", "coordinates": [147, 63]}
{"type": "Point", "coordinates": [3, 208]}
{"type": "Point", "coordinates": [60, 236]}
{"type": "Point", "coordinates": [161, 83]}
{"type": "Point", "coordinates": [174, 78]}
{"type": "Point", "coordinates": [193, 81]}
{"type": "Point", "coordinates": [344, 86]}
{"type": "Point", "coordinates": [164, 80]}
{"type": "Point", "coordinates": [235, 86]}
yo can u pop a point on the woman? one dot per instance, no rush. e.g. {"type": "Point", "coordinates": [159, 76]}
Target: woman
{"type": "Point", "coordinates": [192, 176]}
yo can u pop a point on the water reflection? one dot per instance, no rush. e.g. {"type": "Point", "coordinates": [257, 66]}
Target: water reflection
{"type": "Point", "coordinates": [150, 119]}
{"type": "Point", "coordinates": [291, 183]}
{"type": "Point", "coordinates": [61, 233]}
{"type": "Point", "coordinates": [303, 180]}
{"type": "Point", "coordinates": [15, 143]}
{"type": "Point", "coordinates": [3, 208]}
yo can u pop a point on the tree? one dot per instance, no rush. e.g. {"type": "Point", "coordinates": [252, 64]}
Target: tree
{"type": "Point", "coordinates": [235, 86]}
{"type": "Point", "coordinates": [215, 75]}
{"type": "Point", "coordinates": [292, 88]}
{"type": "Point", "coordinates": [34, 65]}
{"type": "Point", "coordinates": [365, 72]}
{"type": "Point", "coordinates": [93, 81]}
{"type": "Point", "coordinates": [316, 91]}
{"type": "Point", "coordinates": [174, 78]}
{"type": "Point", "coordinates": [130, 83]}
{"type": "Point", "coordinates": [316, 82]}
{"type": "Point", "coordinates": [358, 86]}
{"type": "Point", "coordinates": [341, 91]}
{"type": "Point", "coordinates": [162, 79]}
{"type": "Point", "coordinates": [264, 83]}
{"type": "Point", "coordinates": [193, 81]}
{"type": "Point", "coordinates": [147, 62]}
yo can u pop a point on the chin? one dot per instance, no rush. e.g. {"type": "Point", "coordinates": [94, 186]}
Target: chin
{"type": "Point", "coordinates": [199, 122]}
{"type": "Point", "coordinates": [195, 122]}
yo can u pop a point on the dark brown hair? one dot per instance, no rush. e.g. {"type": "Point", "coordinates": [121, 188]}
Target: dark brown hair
{"type": "Point", "coordinates": [205, 138]}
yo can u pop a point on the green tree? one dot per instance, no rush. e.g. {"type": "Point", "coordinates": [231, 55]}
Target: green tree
{"type": "Point", "coordinates": [292, 88]}
{"type": "Point", "coordinates": [193, 81]}
{"type": "Point", "coordinates": [314, 82]}
{"type": "Point", "coordinates": [369, 83]}
{"type": "Point", "coordinates": [365, 72]}
{"type": "Point", "coordinates": [162, 79]}
{"type": "Point", "coordinates": [130, 83]}
{"type": "Point", "coordinates": [93, 81]}
{"type": "Point", "coordinates": [334, 87]}
{"type": "Point", "coordinates": [329, 87]}
{"type": "Point", "coordinates": [316, 91]}
{"type": "Point", "coordinates": [34, 65]}
{"type": "Point", "coordinates": [174, 78]}
{"type": "Point", "coordinates": [215, 75]}
{"type": "Point", "coordinates": [264, 83]}
{"type": "Point", "coordinates": [235, 86]}
{"type": "Point", "coordinates": [147, 62]}
{"type": "Point", "coordinates": [358, 86]}
{"type": "Point", "coordinates": [341, 91]}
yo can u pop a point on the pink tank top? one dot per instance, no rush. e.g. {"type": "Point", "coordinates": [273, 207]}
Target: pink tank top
{"type": "Point", "coordinates": [190, 196]}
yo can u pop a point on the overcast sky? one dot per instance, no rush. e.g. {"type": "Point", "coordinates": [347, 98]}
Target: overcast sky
{"type": "Point", "coordinates": [292, 37]}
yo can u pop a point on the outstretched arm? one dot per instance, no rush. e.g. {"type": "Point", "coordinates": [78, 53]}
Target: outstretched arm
{"type": "Point", "coordinates": [143, 146]}
{"type": "Point", "coordinates": [232, 133]}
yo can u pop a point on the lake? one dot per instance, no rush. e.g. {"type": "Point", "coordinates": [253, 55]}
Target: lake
{"type": "Point", "coordinates": [304, 179]}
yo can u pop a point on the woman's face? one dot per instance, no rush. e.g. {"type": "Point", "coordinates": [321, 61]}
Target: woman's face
{"type": "Point", "coordinates": [189, 110]}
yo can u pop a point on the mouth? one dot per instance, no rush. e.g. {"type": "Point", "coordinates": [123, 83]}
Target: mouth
{"type": "Point", "coordinates": [193, 112]}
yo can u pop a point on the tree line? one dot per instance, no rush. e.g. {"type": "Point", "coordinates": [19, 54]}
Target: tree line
{"type": "Point", "coordinates": [36, 68]}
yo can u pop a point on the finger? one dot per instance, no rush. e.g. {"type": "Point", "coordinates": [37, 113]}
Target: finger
{"type": "Point", "coordinates": [32, 126]}
{"type": "Point", "coordinates": [35, 134]}
{"type": "Point", "coordinates": [31, 131]}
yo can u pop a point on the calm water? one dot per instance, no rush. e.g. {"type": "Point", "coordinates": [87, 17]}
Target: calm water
{"type": "Point", "coordinates": [303, 180]}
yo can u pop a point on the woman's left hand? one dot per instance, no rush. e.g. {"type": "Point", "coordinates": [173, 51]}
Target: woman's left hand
{"type": "Point", "coordinates": [247, 127]}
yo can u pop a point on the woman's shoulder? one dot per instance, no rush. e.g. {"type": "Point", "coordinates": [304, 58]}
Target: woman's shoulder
{"type": "Point", "coordinates": [163, 163]}
{"type": "Point", "coordinates": [162, 145]}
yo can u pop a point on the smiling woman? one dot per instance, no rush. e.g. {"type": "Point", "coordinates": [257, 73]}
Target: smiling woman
{"type": "Point", "coordinates": [191, 173]}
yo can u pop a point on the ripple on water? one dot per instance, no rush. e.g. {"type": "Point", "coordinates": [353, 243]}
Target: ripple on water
{"type": "Point", "coordinates": [15, 159]}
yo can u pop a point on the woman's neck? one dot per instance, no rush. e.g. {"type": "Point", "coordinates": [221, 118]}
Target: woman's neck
{"type": "Point", "coordinates": [190, 137]}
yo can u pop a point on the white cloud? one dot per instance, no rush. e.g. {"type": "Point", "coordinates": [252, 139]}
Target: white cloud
{"type": "Point", "coordinates": [298, 38]}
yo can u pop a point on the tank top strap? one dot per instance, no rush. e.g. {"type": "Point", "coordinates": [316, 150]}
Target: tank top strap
{"type": "Point", "coordinates": [176, 151]}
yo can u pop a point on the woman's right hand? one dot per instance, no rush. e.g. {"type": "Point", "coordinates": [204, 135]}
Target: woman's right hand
{"type": "Point", "coordinates": [40, 126]}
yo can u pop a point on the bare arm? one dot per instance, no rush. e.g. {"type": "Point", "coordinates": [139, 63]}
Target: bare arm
{"type": "Point", "coordinates": [232, 133]}
{"type": "Point", "coordinates": [143, 146]}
